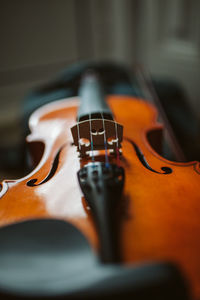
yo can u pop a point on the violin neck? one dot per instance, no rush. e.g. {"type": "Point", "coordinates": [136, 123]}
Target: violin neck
{"type": "Point", "coordinates": [93, 104]}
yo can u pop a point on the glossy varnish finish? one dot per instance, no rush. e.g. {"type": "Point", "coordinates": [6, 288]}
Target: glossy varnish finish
{"type": "Point", "coordinates": [159, 210]}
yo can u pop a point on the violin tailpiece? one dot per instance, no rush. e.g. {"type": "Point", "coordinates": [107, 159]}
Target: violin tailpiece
{"type": "Point", "coordinates": [102, 188]}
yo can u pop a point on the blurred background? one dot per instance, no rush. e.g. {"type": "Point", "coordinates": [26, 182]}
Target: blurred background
{"type": "Point", "coordinates": [41, 38]}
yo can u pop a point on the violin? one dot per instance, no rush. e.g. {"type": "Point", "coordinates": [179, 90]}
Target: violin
{"type": "Point", "coordinates": [95, 168]}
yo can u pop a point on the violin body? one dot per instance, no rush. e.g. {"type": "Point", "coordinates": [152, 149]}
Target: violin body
{"type": "Point", "coordinates": [160, 205]}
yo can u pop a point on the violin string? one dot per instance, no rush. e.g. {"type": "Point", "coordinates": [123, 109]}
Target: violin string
{"type": "Point", "coordinates": [91, 139]}
{"type": "Point", "coordinates": [117, 148]}
{"type": "Point", "coordinates": [105, 142]}
{"type": "Point", "coordinates": [79, 147]}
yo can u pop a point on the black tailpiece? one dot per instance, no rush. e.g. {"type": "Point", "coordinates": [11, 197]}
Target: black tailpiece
{"type": "Point", "coordinates": [102, 187]}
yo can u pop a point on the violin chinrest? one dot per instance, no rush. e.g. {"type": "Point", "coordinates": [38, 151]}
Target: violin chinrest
{"type": "Point", "coordinates": [50, 258]}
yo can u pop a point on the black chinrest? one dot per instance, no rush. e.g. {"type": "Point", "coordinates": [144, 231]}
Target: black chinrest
{"type": "Point", "coordinates": [52, 259]}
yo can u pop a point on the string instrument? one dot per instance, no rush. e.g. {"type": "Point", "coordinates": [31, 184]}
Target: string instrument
{"type": "Point", "coordinates": [96, 169]}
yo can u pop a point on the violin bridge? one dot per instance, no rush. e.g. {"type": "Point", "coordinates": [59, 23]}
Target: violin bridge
{"type": "Point", "coordinates": [96, 134]}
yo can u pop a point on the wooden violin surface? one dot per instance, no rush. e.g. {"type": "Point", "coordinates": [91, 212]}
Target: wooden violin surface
{"type": "Point", "coordinates": [160, 207]}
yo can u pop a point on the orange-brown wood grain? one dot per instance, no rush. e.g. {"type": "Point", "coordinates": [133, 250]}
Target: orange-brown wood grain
{"type": "Point", "coordinates": [160, 212]}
